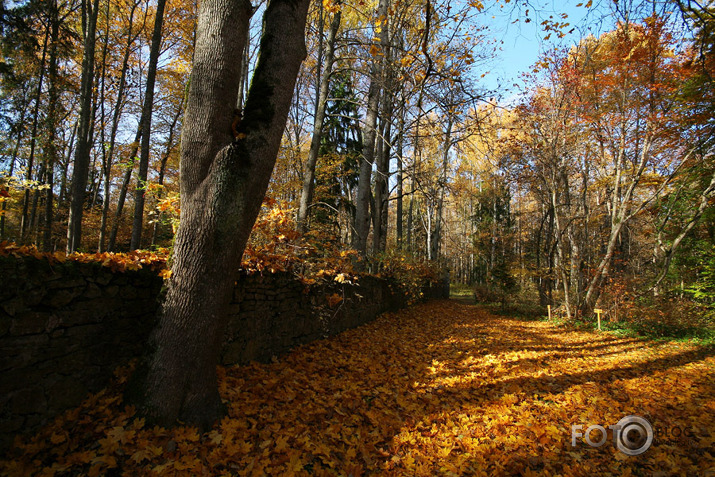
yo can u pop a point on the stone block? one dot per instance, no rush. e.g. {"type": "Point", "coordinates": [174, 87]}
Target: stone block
{"type": "Point", "coordinates": [77, 282]}
{"type": "Point", "coordinates": [87, 333]}
{"type": "Point", "coordinates": [9, 426]}
{"type": "Point", "coordinates": [15, 379]}
{"type": "Point", "coordinates": [63, 297]}
{"type": "Point", "coordinates": [65, 393]}
{"type": "Point", "coordinates": [111, 291]}
{"type": "Point", "coordinates": [92, 292]}
{"type": "Point", "coordinates": [33, 421]}
{"type": "Point", "coordinates": [30, 323]}
{"type": "Point", "coordinates": [12, 307]}
{"type": "Point", "coordinates": [128, 292]}
{"type": "Point", "coordinates": [103, 277]}
{"type": "Point", "coordinates": [28, 401]}
{"type": "Point", "coordinates": [89, 312]}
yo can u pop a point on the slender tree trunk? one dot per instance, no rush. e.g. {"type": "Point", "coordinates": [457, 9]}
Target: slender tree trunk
{"type": "Point", "coordinates": [622, 212]}
{"type": "Point", "coordinates": [306, 196]}
{"type": "Point", "coordinates": [362, 207]}
{"type": "Point", "coordinates": [223, 182]}
{"type": "Point", "coordinates": [383, 160]}
{"type": "Point", "coordinates": [139, 192]}
{"type": "Point", "coordinates": [116, 116]}
{"type": "Point", "coordinates": [33, 231]}
{"type": "Point", "coordinates": [243, 84]}
{"type": "Point", "coordinates": [704, 201]}
{"type": "Point", "coordinates": [437, 240]}
{"type": "Point", "coordinates": [164, 161]}
{"type": "Point", "coordinates": [410, 214]}
{"type": "Point", "coordinates": [67, 159]}
{"type": "Point", "coordinates": [400, 176]}
{"type": "Point", "coordinates": [13, 160]}
{"type": "Point", "coordinates": [81, 162]}
{"type": "Point", "coordinates": [25, 219]}
{"type": "Point", "coordinates": [50, 147]}
{"type": "Point", "coordinates": [124, 189]}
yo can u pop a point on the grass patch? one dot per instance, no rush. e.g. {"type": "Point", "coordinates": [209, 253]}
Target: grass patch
{"type": "Point", "coordinates": [458, 290]}
{"type": "Point", "coordinates": [649, 329]}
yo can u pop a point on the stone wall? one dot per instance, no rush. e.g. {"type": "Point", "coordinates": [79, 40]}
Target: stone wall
{"type": "Point", "coordinates": [63, 330]}
{"type": "Point", "coordinates": [271, 314]}
{"type": "Point", "coordinates": [65, 327]}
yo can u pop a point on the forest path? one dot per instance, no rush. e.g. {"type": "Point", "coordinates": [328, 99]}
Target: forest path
{"type": "Point", "coordinates": [441, 388]}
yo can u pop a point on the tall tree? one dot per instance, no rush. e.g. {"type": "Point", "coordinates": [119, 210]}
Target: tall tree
{"type": "Point", "coordinates": [50, 146]}
{"type": "Point", "coordinates": [309, 173]}
{"type": "Point", "coordinates": [362, 207]}
{"type": "Point", "coordinates": [80, 172]}
{"type": "Point", "coordinates": [225, 169]}
{"type": "Point", "coordinates": [116, 116]}
{"type": "Point", "coordinates": [148, 109]}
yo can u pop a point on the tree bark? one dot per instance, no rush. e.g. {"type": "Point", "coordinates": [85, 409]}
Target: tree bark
{"type": "Point", "coordinates": [223, 182]}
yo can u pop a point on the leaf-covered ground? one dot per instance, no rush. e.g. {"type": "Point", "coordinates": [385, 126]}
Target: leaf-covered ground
{"type": "Point", "coordinates": [442, 388]}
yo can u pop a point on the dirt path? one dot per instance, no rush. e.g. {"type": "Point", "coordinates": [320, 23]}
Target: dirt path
{"type": "Point", "coordinates": [443, 388]}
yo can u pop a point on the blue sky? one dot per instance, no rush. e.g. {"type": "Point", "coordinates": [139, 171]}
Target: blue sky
{"type": "Point", "coordinates": [521, 43]}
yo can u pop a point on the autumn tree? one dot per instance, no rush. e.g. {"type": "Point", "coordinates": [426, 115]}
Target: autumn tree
{"type": "Point", "coordinates": [224, 174]}
{"type": "Point", "coordinates": [146, 117]}
{"type": "Point", "coordinates": [319, 119]}
{"type": "Point", "coordinates": [80, 171]}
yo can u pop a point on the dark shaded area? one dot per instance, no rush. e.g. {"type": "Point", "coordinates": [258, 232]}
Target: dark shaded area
{"type": "Point", "coordinates": [65, 327]}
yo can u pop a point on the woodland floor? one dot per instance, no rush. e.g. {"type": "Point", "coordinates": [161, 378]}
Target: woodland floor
{"type": "Point", "coordinates": [443, 388]}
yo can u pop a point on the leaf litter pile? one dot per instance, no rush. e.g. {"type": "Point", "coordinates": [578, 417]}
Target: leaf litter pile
{"type": "Point", "coordinates": [441, 388]}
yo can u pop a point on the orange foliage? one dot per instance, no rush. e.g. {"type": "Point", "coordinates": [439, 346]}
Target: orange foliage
{"type": "Point", "coordinates": [117, 262]}
{"type": "Point", "coordinates": [274, 246]}
{"type": "Point", "coordinates": [438, 389]}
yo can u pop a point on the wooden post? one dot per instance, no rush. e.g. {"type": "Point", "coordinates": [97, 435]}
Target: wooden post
{"type": "Point", "coordinates": [598, 314]}
{"type": "Point", "coordinates": [548, 307]}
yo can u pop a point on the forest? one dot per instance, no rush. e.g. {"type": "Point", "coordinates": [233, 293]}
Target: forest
{"type": "Point", "coordinates": [591, 186]}
{"type": "Point", "coordinates": [336, 139]}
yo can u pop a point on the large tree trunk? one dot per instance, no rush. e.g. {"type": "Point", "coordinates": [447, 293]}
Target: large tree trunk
{"type": "Point", "coordinates": [140, 190]}
{"type": "Point", "coordinates": [81, 162]}
{"type": "Point", "coordinates": [306, 196]}
{"type": "Point", "coordinates": [223, 182]}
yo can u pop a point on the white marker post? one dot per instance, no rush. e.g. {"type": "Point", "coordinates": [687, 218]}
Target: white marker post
{"type": "Point", "coordinates": [598, 312]}
{"type": "Point", "coordinates": [548, 307]}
